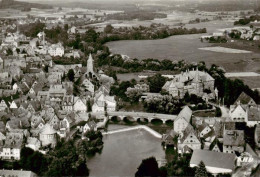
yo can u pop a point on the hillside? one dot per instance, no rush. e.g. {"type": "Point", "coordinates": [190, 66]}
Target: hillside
{"type": "Point", "coordinates": [26, 6]}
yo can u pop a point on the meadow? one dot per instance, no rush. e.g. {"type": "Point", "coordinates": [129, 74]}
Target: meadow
{"type": "Point", "coordinates": [186, 47]}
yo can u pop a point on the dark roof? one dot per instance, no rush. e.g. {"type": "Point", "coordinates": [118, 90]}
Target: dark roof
{"type": "Point", "coordinates": [243, 99]}
{"type": "Point", "coordinates": [254, 113]}
{"type": "Point", "coordinates": [234, 138]}
{"type": "Point", "coordinates": [213, 159]}
{"type": "Point", "coordinates": [230, 125]}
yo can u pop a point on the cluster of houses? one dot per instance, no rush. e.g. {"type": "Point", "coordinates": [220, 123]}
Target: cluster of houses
{"type": "Point", "coordinates": [218, 142]}
{"type": "Point", "coordinates": [37, 106]}
{"type": "Point", "coordinates": [251, 32]}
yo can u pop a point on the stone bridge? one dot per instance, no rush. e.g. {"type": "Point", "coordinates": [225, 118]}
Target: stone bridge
{"type": "Point", "coordinates": [139, 116]}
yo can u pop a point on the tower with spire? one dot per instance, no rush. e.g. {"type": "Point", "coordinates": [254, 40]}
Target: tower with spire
{"type": "Point", "coordinates": [90, 68]}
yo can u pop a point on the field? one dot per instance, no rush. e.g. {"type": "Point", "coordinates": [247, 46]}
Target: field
{"type": "Point", "coordinates": [187, 47]}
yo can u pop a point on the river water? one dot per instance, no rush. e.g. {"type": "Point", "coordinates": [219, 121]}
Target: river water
{"type": "Point", "coordinates": [124, 152]}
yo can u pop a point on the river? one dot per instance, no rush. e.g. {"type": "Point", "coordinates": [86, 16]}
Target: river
{"type": "Point", "coordinates": [124, 152]}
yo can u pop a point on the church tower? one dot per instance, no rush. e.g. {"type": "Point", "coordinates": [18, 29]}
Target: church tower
{"type": "Point", "coordinates": [90, 68]}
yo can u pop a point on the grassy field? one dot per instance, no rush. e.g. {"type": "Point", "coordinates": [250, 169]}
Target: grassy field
{"type": "Point", "coordinates": [252, 82]}
{"type": "Point", "coordinates": [187, 47]}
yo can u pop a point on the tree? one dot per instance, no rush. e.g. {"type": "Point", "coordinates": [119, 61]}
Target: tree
{"type": "Point", "coordinates": [108, 29]}
{"type": "Point", "coordinates": [156, 83]}
{"type": "Point", "coordinates": [71, 75]}
{"type": "Point", "coordinates": [89, 105]}
{"type": "Point", "coordinates": [149, 167]}
{"type": "Point", "coordinates": [201, 170]}
{"type": "Point", "coordinates": [133, 94]}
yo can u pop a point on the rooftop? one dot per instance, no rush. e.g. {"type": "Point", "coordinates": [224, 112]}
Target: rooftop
{"type": "Point", "coordinates": [213, 159]}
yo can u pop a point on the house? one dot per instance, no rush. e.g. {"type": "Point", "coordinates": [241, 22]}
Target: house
{"type": "Point", "coordinates": [36, 120]}
{"type": "Point", "coordinates": [3, 106]}
{"type": "Point", "coordinates": [68, 103]}
{"type": "Point", "coordinates": [80, 104]}
{"type": "Point", "coordinates": [33, 143]}
{"type": "Point", "coordinates": [233, 141]}
{"type": "Point", "coordinates": [13, 124]}
{"type": "Point", "coordinates": [183, 120]}
{"type": "Point", "coordinates": [216, 146]}
{"type": "Point", "coordinates": [215, 162]}
{"type": "Point", "coordinates": [48, 136]}
{"type": "Point", "coordinates": [253, 117]}
{"type": "Point", "coordinates": [188, 139]}
{"type": "Point", "coordinates": [103, 102]}
{"type": "Point", "coordinates": [90, 126]}
{"type": "Point", "coordinates": [72, 30]}
{"type": "Point", "coordinates": [17, 173]}
{"type": "Point", "coordinates": [88, 86]}
{"type": "Point", "coordinates": [257, 135]}
{"type": "Point", "coordinates": [54, 122]}
{"type": "Point", "coordinates": [168, 138]}
{"type": "Point", "coordinates": [13, 105]}
{"type": "Point", "coordinates": [68, 122]}
{"type": "Point", "coordinates": [12, 147]}
{"type": "Point", "coordinates": [238, 113]}
{"type": "Point", "coordinates": [244, 99]}
{"type": "Point", "coordinates": [56, 50]}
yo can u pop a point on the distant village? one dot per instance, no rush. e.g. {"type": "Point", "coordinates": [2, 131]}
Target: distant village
{"type": "Point", "coordinates": [38, 104]}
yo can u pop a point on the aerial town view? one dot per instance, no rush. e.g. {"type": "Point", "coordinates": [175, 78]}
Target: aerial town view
{"type": "Point", "coordinates": [123, 88]}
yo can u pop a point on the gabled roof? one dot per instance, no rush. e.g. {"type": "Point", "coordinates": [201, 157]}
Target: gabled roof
{"type": "Point", "coordinates": [213, 159]}
{"type": "Point", "coordinates": [47, 130]}
{"type": "Point", "coordinates": [185, 113]}
{"type": "Point", "coordinates": [244, 99]}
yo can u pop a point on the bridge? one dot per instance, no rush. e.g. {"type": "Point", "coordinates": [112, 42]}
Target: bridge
{"type": "Point", "coordinates": [154, 133]}
{"type": "Point", "coordinates": [138, 116]}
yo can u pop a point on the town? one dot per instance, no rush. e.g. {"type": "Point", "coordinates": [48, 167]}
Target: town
{"type": "Point", "coordinates": [62, 89]}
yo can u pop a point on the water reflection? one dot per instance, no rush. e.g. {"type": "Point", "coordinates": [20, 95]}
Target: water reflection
{"type": "Point", "coordinates": [123, 153]}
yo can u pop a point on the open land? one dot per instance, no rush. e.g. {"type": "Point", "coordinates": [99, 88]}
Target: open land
{"type": "Point", "coordinates": [186, 47]}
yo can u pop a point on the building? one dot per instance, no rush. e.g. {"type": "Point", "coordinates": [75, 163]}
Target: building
{"type": "Point", "coordinates": [192, 82]}
{"type": "Point", "coordinates": [68, 103]}
{"type": "Point", "coordinates": [104, 102]}
{"type": "Point", "coordinates": [89, 126]}
{"type": "Point", "coordinates": [233, 141]}
{"type": "Point", "coordinates": [257, 135]}
{"type": "Point", "coordinates": [88, 86]}
{"type": "Point", "coordinates": [56, 50]}
{"type": "Point", "coordinates": [17, 173]}
{"type": "Point", "coordinates": [215, 162]}
{"type": "Point", "coordinates": [80, 104]}
{"type": "Point", "coordinates": [188, 140]}
{"type": "Point", "coordinates": [238, 113]}
{"type": "Point", "coordinates": [244, 99]}
{"type": "Point", "coordinates": [253, 117]}
{"type": "Point", "coordinates": [90, 68]}
{"type": "Point", "coordinates": [183, 120]}
{"type": "Point", "coordinates": [48, 136]}
{"type": "Point", "coordinates": [33, 143]}
{"type": "Point", "coordinates": [12, 147]}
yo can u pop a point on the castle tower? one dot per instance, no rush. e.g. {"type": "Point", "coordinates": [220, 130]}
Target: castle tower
{"type": "Point", "coordinates": [90, 67]}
